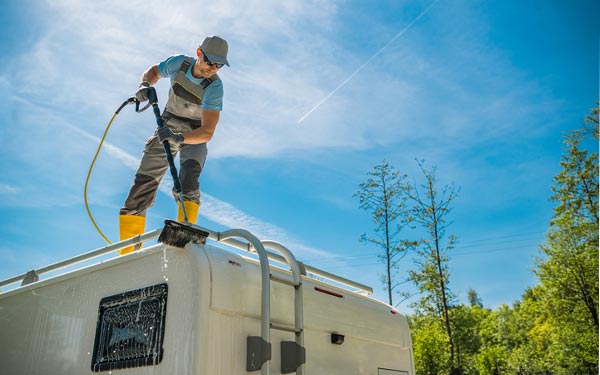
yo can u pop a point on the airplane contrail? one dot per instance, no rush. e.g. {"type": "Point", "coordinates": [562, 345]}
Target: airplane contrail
{"type": "Point", "coordinates": [368, 61]}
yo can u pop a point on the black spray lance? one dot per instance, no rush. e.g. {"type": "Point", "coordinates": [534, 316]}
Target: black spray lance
{"type": "Point", "coordinates": [153, 101]}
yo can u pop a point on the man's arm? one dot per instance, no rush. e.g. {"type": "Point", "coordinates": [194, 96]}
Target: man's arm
{"type": "Point", "coordinates": [209, 118]}
{"type": "Point", "coordinates": [151, 75]}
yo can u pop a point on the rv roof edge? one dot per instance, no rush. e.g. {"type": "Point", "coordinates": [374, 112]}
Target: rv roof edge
{"type": "Point", "coordinates": [217, 236]}
{"type": "Point", "coordinates": [85, 256]}
{"type": "Point", "coordinates": [213, 235]}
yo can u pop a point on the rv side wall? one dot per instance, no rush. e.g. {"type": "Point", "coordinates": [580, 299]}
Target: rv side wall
{"type": "Point", "coordinates": [49, 327]}
{"type": "Point", "coordinates": [212, 301]}
{"type": "Point", "coordinates": [376, 337]}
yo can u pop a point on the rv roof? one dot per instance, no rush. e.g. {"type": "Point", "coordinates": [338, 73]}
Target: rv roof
{"type": "Point", "coordinates": [33, 275]}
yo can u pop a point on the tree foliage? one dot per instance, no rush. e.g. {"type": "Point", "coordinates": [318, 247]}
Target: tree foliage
{"type": "Point", "coordinates": [568, 269]}
{"type": "Point", "coordinates": [430, 346]}
{"type": "Point", "coordinates": [553, 329]}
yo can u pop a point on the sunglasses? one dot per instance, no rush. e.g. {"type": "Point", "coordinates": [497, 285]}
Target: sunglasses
{"type": "Point", "coordinates": [206, 60]}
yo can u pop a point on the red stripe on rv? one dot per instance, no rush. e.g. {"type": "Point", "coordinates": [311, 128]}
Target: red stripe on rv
{"type": "Point", "coordinates": [329, 292]}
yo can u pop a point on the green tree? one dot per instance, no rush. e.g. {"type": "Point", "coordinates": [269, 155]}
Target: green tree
{"type": "Point", "coordinates": [531, 334]}
{"type": "Point", "coordinates": [383, 195]}
{"type": "Point", "coordinates": [568, 269]}
{"type": "Point", "coordinates": [431, 209]}
{"type": "Point", "coordinates": [466, 322]}
{"type": "Point", "coordinates": [474, 299]}
{"type": "Point", "coordinates": [492, 360]}
{"type": "Point", "coordinates": [430, 346]}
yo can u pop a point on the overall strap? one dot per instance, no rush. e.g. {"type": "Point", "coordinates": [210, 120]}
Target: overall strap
{"type": "Point", "coordinates": [186, 65]}
{"type": "Point", "coordinates": [206, 82]}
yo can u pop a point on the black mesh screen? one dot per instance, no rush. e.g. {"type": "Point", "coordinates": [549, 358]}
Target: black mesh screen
{"type": "Point", "coordinates": [130, 329]}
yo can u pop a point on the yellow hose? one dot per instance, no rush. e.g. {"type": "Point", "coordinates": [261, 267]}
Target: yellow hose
{"type": "Point", "coordinates": [88, 179]}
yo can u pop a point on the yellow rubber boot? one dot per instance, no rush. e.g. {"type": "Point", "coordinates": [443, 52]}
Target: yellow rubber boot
{"type": "Point", "coordinates": [191, 209]}
{"type": "Point", "coordinates": [130, 226]}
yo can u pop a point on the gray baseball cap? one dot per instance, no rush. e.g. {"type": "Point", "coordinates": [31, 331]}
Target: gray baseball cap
{"type": "Point", "coordinates": [215, 49]}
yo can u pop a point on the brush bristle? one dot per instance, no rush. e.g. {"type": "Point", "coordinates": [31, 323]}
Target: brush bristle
{"type": "Point", "coordinates": [179, 234]}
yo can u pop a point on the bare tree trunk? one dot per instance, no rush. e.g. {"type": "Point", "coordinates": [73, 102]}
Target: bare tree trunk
{"type": "Point", "coordinates": [432, 277]}
{"type": "Point", "coordinates": [442, 284]}
{"type": "Point", "coordinates": [388, 250]}
{"type": "Point", "coordinates": [383, 195]}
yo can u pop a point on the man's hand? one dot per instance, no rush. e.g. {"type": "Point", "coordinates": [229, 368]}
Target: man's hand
{"type": "Point", "coordinates": [142, 93]}
{"type": "Point", "coordinates": [165, 133]}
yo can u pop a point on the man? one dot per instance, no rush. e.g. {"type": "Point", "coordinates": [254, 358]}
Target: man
{"type": "Point", "coordinates": [190, 118]}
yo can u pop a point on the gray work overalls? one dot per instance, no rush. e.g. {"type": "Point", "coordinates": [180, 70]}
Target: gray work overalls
{"type": "Point", "coordinates": [182, 114]}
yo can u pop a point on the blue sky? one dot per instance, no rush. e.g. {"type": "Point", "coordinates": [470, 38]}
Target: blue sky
{"type": "Point", "coordinates": [317, 93]}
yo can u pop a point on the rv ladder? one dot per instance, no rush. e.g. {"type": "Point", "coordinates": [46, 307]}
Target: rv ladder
{"type": "Point", "coordinates": [285, 327]}
{"type": "Point", "coordinates": [293, 353]}
{"type": "Point", "coordinates": [258, 353]}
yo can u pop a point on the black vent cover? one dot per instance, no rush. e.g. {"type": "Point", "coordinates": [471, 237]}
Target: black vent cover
{"type": "Point", "coordinates": [130, 329]}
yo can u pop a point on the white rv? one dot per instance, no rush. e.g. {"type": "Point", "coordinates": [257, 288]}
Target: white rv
{"type": "Point", "coordinates": [198, 310]}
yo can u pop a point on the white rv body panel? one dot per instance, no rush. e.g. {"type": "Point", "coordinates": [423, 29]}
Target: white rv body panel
{"type": "Point", "coordinates": [213, 305]}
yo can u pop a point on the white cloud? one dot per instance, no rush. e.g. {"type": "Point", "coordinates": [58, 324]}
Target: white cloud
{"type": "Point", "coordinates": [123, 157]}
{"type": "Point", "coordinates": [230, 216]}
{"type": "Point", "coordinates": [215, 209]}
{"type": "Point", "coordinates": [94, 54]}
{"type": "Point", "coordinates": [7, 189]}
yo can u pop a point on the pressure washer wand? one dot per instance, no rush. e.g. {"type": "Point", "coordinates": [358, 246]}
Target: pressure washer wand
{"type": "Point", "coordinates": [153, 101]}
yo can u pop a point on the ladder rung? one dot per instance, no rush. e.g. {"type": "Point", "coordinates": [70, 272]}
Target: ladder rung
{"type": "Point", "coordinates": [283, 280]}
{"type": "Point", "coordinates": [285, 327]}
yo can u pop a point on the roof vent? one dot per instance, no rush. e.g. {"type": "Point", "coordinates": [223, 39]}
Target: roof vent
{"type": "Point", "coordinates": [130, 329]}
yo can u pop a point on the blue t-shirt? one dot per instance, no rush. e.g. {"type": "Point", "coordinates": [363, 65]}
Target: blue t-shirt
{"type": "Point", "coordinates": [213, 94]}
